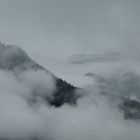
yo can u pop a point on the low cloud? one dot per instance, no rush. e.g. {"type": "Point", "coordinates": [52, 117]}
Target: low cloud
{"type": "Point", "coordinates": [40, 82]}
{"type": "Point", "coordinates": [92, 117]}
{"type": "Point", "coordinates": [20, 117]}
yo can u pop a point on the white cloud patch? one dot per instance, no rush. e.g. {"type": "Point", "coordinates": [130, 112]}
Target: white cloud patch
{"type": "Point", "coordinates": [40, 82]}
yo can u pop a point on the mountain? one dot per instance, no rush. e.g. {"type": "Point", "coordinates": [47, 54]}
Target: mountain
{"type": "Point", "coordinates": [13, 58]}
{"type": "Point", "coordinates": [121, 88]}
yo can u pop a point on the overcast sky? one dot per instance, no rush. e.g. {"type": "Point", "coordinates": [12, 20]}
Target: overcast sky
{"type": "Point", "coordinates": [52, 31]}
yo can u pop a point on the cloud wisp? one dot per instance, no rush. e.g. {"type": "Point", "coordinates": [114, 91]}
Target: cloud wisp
{"type": "Point", "coordinates": [105, 57]}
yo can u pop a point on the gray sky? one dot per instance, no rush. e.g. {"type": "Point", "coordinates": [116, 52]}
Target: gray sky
{"type": "Point", "coordinates": [51, 31]}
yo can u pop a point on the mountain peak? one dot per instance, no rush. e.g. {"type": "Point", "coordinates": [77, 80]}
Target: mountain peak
{"type": "Point", "coordinates": [15, 58]}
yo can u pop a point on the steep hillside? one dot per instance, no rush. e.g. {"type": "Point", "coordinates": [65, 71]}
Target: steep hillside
{"type": "Point", "coordinates": [13, 58]}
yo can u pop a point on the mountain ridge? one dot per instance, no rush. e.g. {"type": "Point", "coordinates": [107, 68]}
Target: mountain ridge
{"type": "Point", "coordinates": [13, 58]}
